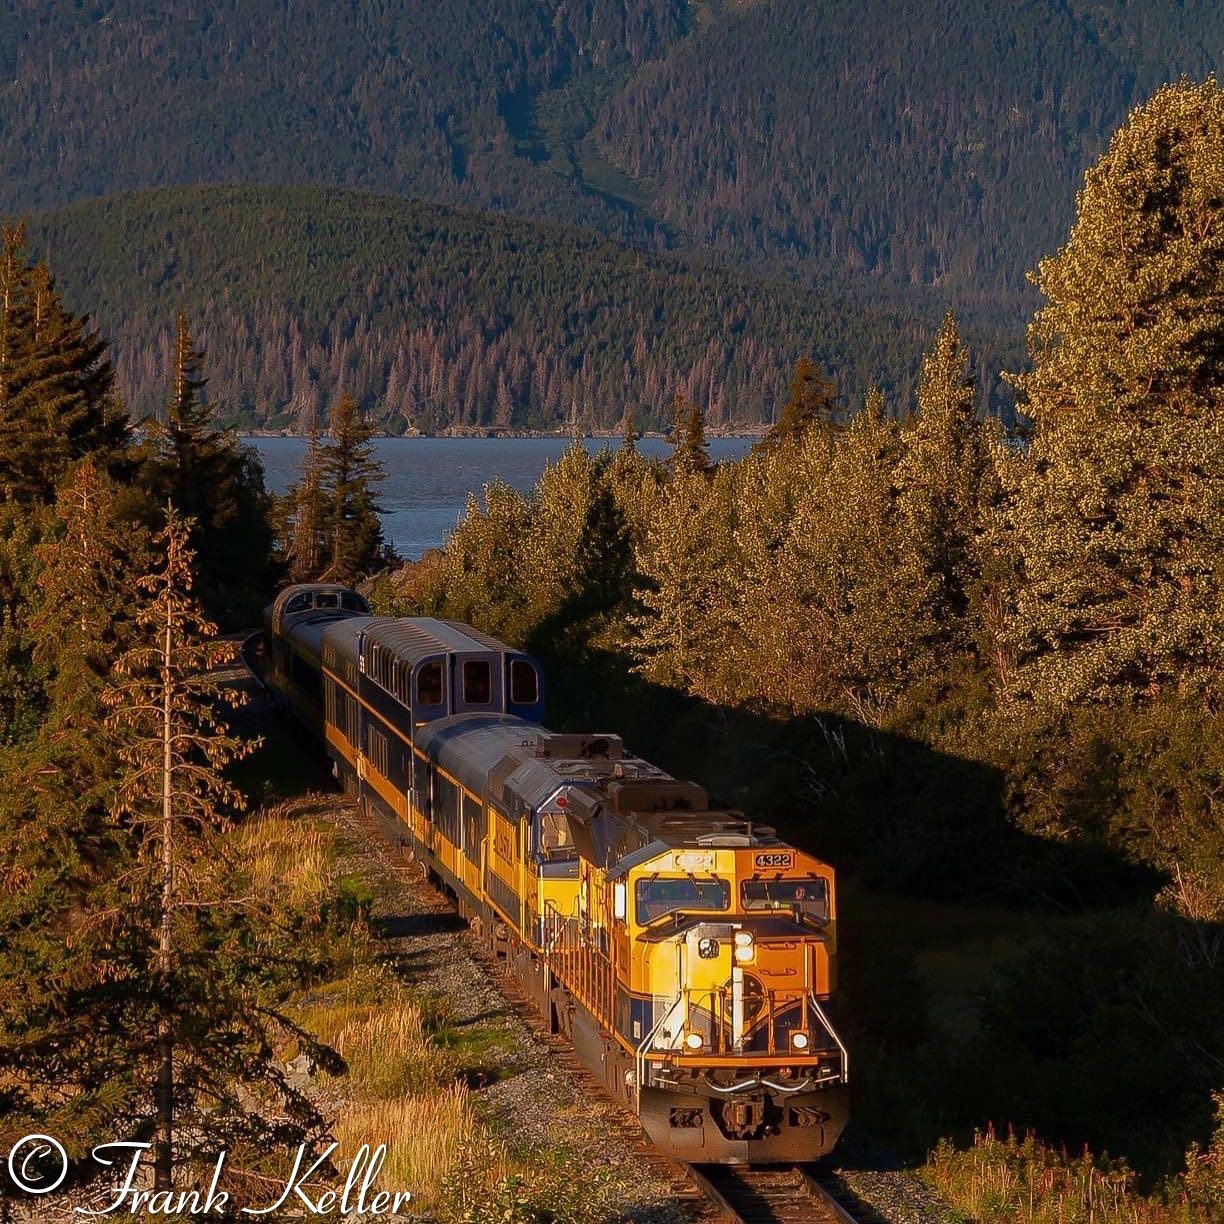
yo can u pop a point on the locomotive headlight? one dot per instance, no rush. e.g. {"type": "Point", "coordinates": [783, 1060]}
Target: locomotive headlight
{"type": "Point", "coordinates": [745, 952]}
{"type": "Point", "coordinates": [799, 1041]}
{"type": "Point", "coordinates": [694, 1041]}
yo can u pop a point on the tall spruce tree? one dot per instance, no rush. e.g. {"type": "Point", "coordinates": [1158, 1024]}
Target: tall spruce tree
{"type": "Point", "coordinates": [690, 452]}
{"type": "Point", "coordinates": [66, 1018]}
{"type": "Point", "coordinates": [812, 404]}
{"type": "Point", "coordinates": [213, 1081]}
{"type": "Point", "coordinates": [57, 402]}
{"type": "Point", "coordinates": [679, 636]}
{"type": "Point", "coordinates": [350, 473]}
{"type": "Point", "coordinates": [216, 482]}
{"type": "Point", "coordinates": [942, 480]}
{"type": "Point", "coordinates": [1118, 510]}
{"type": "Point", "coordinates": [306, 506]}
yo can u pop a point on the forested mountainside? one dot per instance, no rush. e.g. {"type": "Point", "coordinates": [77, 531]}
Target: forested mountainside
{"type": "Point", "coordinates": [374, 94]}
{"type": "Point", "coordinates": [435, 316]}
{"type": "Point", "coordinates": [933, 145]}
{"type": "Point", "coordinates": [940, 143]}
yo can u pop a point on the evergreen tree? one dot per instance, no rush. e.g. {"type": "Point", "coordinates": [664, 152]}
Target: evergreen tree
{"type": "Point", "coordinates": [1119, 504]}
{"type": "Point", "coordinates": [218, 484]}
{"type": "Point", "coordinates": [690, 453]}
{"type": "Point", "coordinates": [307, 505]}
{"type": "Point", "coordinates": [57, 403]}
{"type": "Point", "coordinates": [835, 602]}
{"type": "Point", "coordinates": [631, 437]}
{"type": "Point", "coordinates": [212, 1079]}
{"type": "Point", "coordinates": [65, 1018]}
{"type": "Point", "coordinates": [942, 478]}
{"type": "Point", "coordinates": [812, 405]}
{"type": "Point", "coordinates": [350, 473]}
{"type": "Point", "coordinates": [579, 551]}
{"type": "Point", "coordinates": [679, 637]}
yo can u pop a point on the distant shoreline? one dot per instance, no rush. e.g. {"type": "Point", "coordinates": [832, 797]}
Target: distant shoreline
{"type": "Point", "coordinates": [502, 435]}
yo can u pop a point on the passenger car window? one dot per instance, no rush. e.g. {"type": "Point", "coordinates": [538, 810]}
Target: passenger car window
{"type": "Point", "coordinates": [524, 683]}
{"type": "Point", "coordinates": [350, 601]}
{"type": "Point", "coordinates": [477, 682]}
{"type": "Point", "coordinates": [299, 603]}
{"type": "Point", "coordinates": [429, 684]}
{"type": "Point", "coordinates": [658, 897]}
{"type": "Point", "coordinates": [327, 599]}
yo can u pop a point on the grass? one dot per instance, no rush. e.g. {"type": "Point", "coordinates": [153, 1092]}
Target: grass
{"type": "Point", "coordinates": [430, 1138]}
{"type": "Point", "coordinates": [287, 857]}
{"type": "Point", "coordinates": [1023, 1181]}
{"type": "Point", "coordinates": [389, 1054]}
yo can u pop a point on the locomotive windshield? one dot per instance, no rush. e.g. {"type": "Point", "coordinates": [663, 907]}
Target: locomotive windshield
{"type": "Point", "coordinates": [658, 897]}
{"type": "Point", "coordinates": [808, 896]}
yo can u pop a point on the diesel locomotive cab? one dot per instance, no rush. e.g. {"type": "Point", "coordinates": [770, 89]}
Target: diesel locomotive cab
{"type": "Point", "coordinates": [736, 1054]}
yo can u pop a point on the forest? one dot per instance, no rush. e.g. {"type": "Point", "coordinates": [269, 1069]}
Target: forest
{"type": "Point", "coordinates": [438, 318]}
{"type": "Point", "coordinates": [943, 152]}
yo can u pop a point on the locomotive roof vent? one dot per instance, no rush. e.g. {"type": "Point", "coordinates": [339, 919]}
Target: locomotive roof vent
{"type": "Point", "coordinates": [580, 747]}
{"type": "Point", "coordinates": [724, 839]}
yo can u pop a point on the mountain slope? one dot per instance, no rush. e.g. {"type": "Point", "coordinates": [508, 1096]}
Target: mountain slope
{"type": "Point", "coordinates": [439, 317]}
{"type": "Point", "coordinates": [938, 145]}
{"type": "Point", "coordinates": [373, 94]}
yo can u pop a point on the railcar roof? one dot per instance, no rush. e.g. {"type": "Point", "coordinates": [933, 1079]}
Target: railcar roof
{"type": "Point", "coordinates": [307, 634]}
{"type": "Point", "coordinates": [469, 746]}
{"type": "Point", "coordinates": [417, 637]}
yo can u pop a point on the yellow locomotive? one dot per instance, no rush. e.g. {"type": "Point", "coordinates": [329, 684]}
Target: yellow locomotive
{"type": "Point", "coordinates": [689, 955]}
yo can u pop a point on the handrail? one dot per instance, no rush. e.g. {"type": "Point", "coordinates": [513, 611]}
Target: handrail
{"type": "Point", "coordinates": [639, 1060]}
{"type": "Point", "coordinates": [845, 1054]}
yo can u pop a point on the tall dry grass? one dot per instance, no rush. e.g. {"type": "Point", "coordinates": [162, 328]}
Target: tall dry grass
{"type": "Point", "coordinates": [286, 858]}
{"type": "Point", "coordinates": [430, 1138]}
{"type": "Point", "coordinates": [389, 1053]}
{"type": "Point", "coordinates": [1023, 1181]}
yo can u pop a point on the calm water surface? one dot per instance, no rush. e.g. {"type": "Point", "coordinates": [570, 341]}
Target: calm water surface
{"type": "Point", "coordinates": [429, 479]}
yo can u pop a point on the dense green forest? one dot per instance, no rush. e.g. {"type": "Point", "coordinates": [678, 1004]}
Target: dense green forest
{"type": "Point", "coordinates": [942, 150]}
{"type": "Point", "coordinates": [437, 317]}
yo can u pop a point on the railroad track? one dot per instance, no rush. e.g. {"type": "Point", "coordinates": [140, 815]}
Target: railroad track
{"type": "Point", "coordinates": [250, 652]}
{"type": "Point", "coordinates": [732, 1194]}
{"type": "Point", "coordinates": [770, 1194]}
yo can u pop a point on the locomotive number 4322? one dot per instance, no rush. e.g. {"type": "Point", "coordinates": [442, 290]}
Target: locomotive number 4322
{"type": "Point", "coordinates": [774, 858]}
